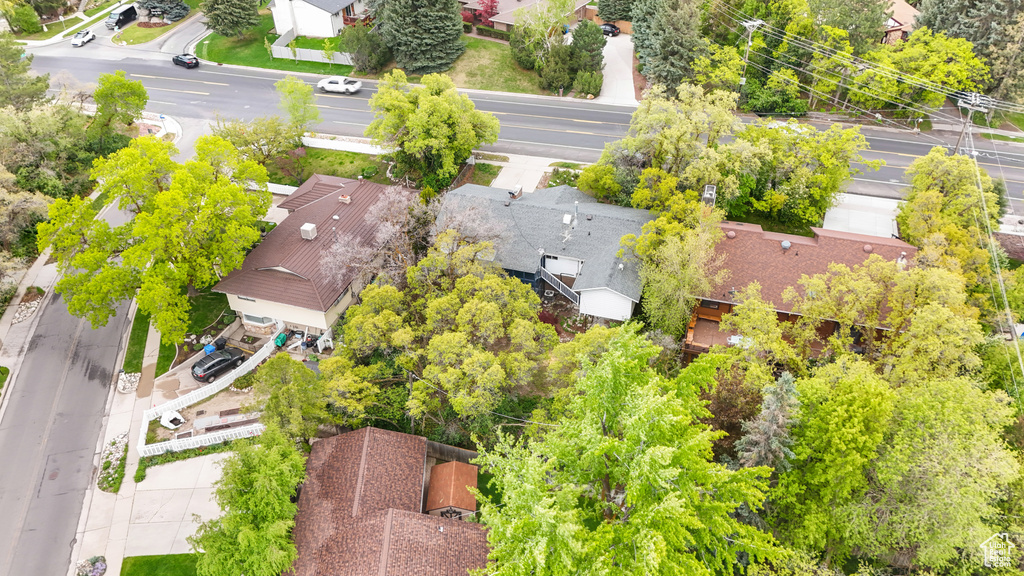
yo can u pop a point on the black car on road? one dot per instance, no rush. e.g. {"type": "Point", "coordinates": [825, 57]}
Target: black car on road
{"type": "Point", "coordinates": [610, 29]}
{"type": "Point", "coordinates": [186, 60]}
{"type": "Point", "coordinates": [207, 368]}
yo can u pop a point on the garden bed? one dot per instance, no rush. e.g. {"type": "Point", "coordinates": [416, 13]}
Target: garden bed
{"type": "Point", "coordinates": [196, 341]}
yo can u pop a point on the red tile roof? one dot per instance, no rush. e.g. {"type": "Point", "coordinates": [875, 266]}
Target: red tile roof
{"type": "Point", "coordinates": [359, 512]}
{"type": "Point", "coordinates": [751, 254]}
{"type": "Point", "coordinates": [284, 267]}
{"type": "Point", "coordinates": [449, 484]}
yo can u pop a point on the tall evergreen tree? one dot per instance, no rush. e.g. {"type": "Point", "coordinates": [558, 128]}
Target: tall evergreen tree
{"type": "Point", "coordinates": [1008, 64]}
{"type": "Point", "coordinates": [982, 22]}
{"type": "Point", "coordinates": [677, 43]}
{"type": "Point", "coordinates": [18, 87]}
{"type": "Point", "coordinates": [766, 440]}
{"type": "Point", "coordinates": [612, 10]}
{"type": "Point", "coordinates": [424, 35]}
{"type": "Point", "coordinates": [643, 14]}
{"type": "Point", "coordinates": [231, 17]}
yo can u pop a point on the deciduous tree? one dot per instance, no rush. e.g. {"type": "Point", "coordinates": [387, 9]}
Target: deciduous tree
{"type": "Point", "coordinates": [18, 86]}
{"type": "Point", "coordinates": [254, 493]}
{"type": "Point", "coordinates": [541, 24]}
{"type": "Point", "coordinates": [262, 139]}
{"type": "Point", "coordinates": [430, 129]}
{"type": "Point", "coordinates": [625, 483]}
{"type": "Point", "coordinates": [369, 53]}
{"type": "Point", "coordinates": [192, 224]}
{"type": "Point", "coordinates": [298, 103]}
{"type": "Point", "coordinates": [863, 20]}
{"type": "Point", "coordinates": [231, 17]}
{"type": "Point", "coordinates": [119, 102]}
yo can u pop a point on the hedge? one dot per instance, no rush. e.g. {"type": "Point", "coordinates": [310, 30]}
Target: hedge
{"type": "Point", "coordinates": [467, 27]}
{"type": "Point", "coordinates": [487, 31]}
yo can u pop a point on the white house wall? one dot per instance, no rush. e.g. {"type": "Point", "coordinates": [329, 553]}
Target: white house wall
{"type": "Point", "coordinates": [278, 311]}
{"type": "Point", "coordinates": [282, 16]}
{"type": "Point", "coordinates": [312, 21]}
{"type": "Point", "coordinates": [605, 303]}
{"type": "Point", "coordinates": [563, 265]}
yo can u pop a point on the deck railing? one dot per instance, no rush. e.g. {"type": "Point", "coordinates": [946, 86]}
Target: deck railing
{"type": "Point", "coordinates": [560, 286]}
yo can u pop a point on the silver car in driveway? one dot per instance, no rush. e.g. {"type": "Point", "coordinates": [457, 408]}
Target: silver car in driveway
{"type": "Point", "coordinates": [83, 37]}
{"type": "Point", "coordinates": [340, 85]}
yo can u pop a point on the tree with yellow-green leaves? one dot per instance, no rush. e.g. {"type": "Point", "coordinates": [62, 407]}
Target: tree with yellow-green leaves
{"type": "Point", "coordinates": [192, 225]}
{"type": "Point", "coordinates": [464, 331]}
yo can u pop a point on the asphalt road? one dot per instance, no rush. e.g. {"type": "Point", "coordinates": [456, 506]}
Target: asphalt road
{"type": "Point", "coordinates": [48, 437]}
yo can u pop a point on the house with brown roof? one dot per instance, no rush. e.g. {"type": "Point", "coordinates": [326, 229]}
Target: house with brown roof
{"type": "Point", "coordinates": [361, 509]}
{"type": "Point", "coordinates": [282, 279]}
{"type": "Point", "coordinates": [505, 18]}
{"type": "Point", "coordinates": [776, 262]}
{"type": "Point", "coordinates": [900, 23]}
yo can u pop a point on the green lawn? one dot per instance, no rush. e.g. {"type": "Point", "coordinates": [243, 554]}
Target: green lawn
{"type": "Point", "coordinates": [1002, 138]}
{"type": "Point", "coordinates": [314, 43]}
{"type": "Point", "coordinates": [206, 308]}
{"type": "Point", "coordinates": [136, 35]}
{"type": "Point", "coordinates": [165, 358]}
{"type": "Point", "coordinates": [100, 8]}
{"type": "Point", "coordinates": [569, 165]}
{"type": "Point", "coordinates": [250, 51]}
{"type": "Point", "coordinates": [4, 373]}
{"type": "Point", "coordinates": [53, 29]}
{"type": "Point", "coordinates": [484, 174]}
{"type": "Point", "coordinates": [770, 225]}
{"type": "Point", "coordinates": [167, 565]}
{"type": "Point", "coordinates": [136, 344]}
{"type": "Point", "coordinates": [488, 65]}
{"type": "Point", "coordinates": [333, 163]}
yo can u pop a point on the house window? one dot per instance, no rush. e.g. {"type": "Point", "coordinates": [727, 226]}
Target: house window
{"type": "Point", "coordinates": [709, 304]}
{"type": "Point", "coordinates": [259, 320]}
{"type": "Point", "coordinates": [343, 294]}
{"type": "Point", "coordinates": [246, 298]}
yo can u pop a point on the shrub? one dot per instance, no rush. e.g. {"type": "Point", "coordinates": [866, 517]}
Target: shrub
{"type": "Point", "coordinates": [491, 32]}
{"type": "Point", "coordinates": [169, 456]}
{"type": "Point", "coordinates": [467, 27]}
{"type": "Point", "coordinates": [467, 18]}
{"type": "Point", "coordinates": [561, 177]}
{"type": "Point", "coordinates": [521, 52]}
{"type": "Point", "coordinates": [588, 83]}
{"type": "Point", "coordinates": [369, 54]}
{"type": "Point", "coordinates": [25, 19]}
{"type": "Point", "coordinates": [557, 71]}
{"type": "Point", "coordinates": [369, 172]}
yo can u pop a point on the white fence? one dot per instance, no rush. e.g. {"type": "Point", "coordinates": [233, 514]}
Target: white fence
{"type": "Point", "coordinates": [280, 49]}
{"type": "Point", "coordinates": [202, 394]}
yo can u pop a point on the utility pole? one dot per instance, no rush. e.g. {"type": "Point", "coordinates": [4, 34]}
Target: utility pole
{"type": "Point", "coordinates": [750, 25]}
{"type": "Point", "coordinates": [974, 102]}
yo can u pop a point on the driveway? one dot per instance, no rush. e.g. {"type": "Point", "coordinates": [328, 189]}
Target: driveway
{"type": "Point", "coordinates": [618, 72]}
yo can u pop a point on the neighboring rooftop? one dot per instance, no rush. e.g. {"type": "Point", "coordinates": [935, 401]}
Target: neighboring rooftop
{"type": "Point", "coordinates": [751, 254]}
{"type": "Point", "coordinates": [285, 267]}
{"type": "Point", "coordinates": [360, 512]}
{"type": "Point", "coordinates": [507, 8]}
{"type": "Point", "coordinates": [449, 486]}
{"type": "Point", "coordinates": [535, 223]}
{"type": "Point", "coordinates": [331, 6]}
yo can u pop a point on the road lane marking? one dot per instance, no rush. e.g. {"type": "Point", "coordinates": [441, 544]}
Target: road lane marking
{"type": "Point", "coordinates": [561, 130]}
{"type": "Point", "coordinates": [162, 102]}
{"type": "Point", "coordinates": [559, 118]}
{"type": "Point", "coordinates": [556, 145]}
{"type": "Point", "coordinates": [178, 91]}
{"type": "Point", "coordinates": [340, 108]}
{"type": "Point", "coordinates": [604, 111]}
{"type": "Point", "coordinates": [886, 182]}
{"type": "Point", "coordinates": [178, 79]}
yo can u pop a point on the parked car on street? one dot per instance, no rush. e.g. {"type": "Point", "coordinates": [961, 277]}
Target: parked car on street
{"type": "Point", "coordinates": [83, 37]}
{"type": "Point", "coordinates": [121, 16]}
{"type": "Point", "coordinates": [186, 60]}
{"type": "Point", "coordinates": [610, 29]}
{"type": "Point", "coordinates": [207, 368]}
{"type": "Point", "coordinates": [339, 84]}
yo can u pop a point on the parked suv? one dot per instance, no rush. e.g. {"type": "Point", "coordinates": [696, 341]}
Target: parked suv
{"type": "Point", "coordinates": [121, 16]}
{"type": "Point", "coordinates": [214, 364]}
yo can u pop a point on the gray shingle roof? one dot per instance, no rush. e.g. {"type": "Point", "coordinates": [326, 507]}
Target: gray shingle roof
{"type": "Point", "coordinates": [534, 222]}
{"type": "Point", "coordinates": [330, 6]}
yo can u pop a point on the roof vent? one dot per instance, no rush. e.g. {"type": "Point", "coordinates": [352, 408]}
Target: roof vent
{"type": "Point", "coordinates": [590, 216]}
{"type": "Point", "coordinates": [507, 203]}
{"type": "Point", "coordinates": [345, 199]}
{"type": "Point", "coordinates": [730, 234]}
{"type": "Point", "coordinates": [567, 219]}
{"type": "Point", "coordinates": [786, 245]}
{"type": "Point", "coordinates": [869, 248]}
{"type": "Point", "coordinates": [308, 231]}
{"type": "Point", "coordinates": [336, 217]}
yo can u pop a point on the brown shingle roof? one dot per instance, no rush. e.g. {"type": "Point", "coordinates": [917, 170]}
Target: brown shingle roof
{"type": "Point", "coordinates": [285, 267]}
{"type": "Point", "coordinates": [359, 512]}
{"type": "Point", "coordinates": [751, 254]}
{"type": "Point", "coordinates": [449, 484]}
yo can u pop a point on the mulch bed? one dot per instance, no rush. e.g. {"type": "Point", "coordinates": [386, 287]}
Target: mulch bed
{"type": "Point", "coordinates": [152, 24]}
{"type": "Point", "coordinates": [639, 82]}
{"type": "Point", "coordinates": [30, 296]}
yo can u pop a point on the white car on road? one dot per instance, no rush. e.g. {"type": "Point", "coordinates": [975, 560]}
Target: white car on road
{"type": "Point", "coordinates": [83, 38]}
{"type": "Point", "coordinates": [339, 84]}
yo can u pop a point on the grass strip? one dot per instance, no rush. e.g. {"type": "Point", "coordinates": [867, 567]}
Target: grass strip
{"type": "Point", "coordinates": [136, 344]}
{"type": "Point", "coordinates": [54, 28]}
{"type": "Point", "coordinates": [484, 174]}
{"type": "Point", "coordinates": [165, 357]}
{"type": "Point", "coordinates": [163, 565]}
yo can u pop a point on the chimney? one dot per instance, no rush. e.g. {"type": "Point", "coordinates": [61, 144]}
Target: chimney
{"type": "Point", "coordinates": [345, 199]}
{"type": "Point", "coordinates": [308, 231]}
{"type": "Point", "coordinates": [516, 193]}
